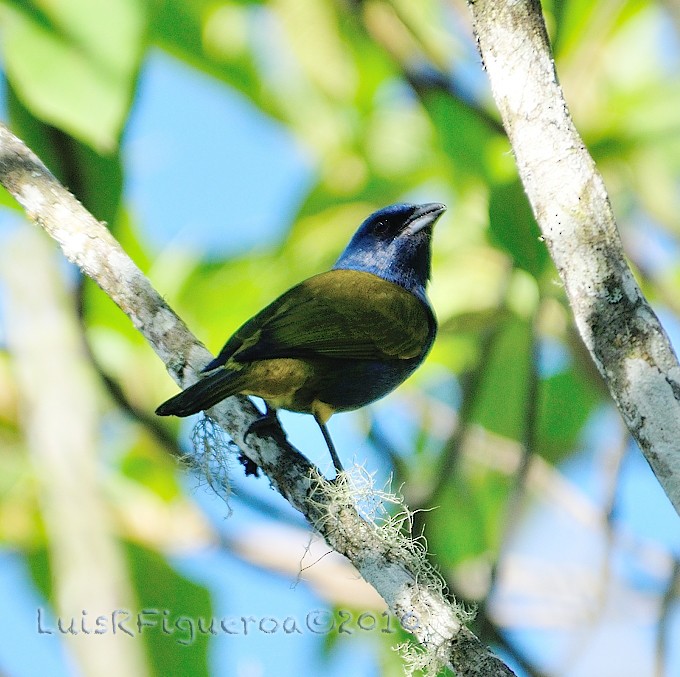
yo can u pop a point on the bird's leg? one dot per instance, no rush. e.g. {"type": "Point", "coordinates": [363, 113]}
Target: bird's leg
{"type": "Point", "coordinates": [331, 447]}
{"type": "Point", "coordinates": [267, 420]}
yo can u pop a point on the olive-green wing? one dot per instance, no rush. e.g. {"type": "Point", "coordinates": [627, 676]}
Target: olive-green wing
{"type": "Point", "coordinates": [344, 314]}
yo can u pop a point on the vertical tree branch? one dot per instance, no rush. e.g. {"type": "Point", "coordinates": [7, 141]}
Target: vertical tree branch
{"type": "Point", "coordinates": [568, 197]}
{"type": "Point", "coordinates": [59, 415]}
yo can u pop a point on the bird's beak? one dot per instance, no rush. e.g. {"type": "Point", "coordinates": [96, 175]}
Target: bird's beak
{"type": "Point", "coordinates": [424, 216]}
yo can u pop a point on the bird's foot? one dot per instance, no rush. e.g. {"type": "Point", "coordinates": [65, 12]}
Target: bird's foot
{"type": "Point", "coordinates": [267, 423]}
{"type": "Point", "coordinates": [249, 466]}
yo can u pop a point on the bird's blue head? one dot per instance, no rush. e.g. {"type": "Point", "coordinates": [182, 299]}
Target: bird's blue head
{"type": "Point", "coordinates": [394, 243]}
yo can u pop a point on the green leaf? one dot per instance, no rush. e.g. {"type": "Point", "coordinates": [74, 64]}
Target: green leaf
{"type": "Point", "coordinates": [161, 588]}
{"type": "Point", "coordinates": [6, 200]}
{"type": "Point", "coordinates": [475, 499]}
{"type": "Point", "coordinates": [500, 406]}
{"type": "Point", "coordinates": [465, 133]}
{"type": "Point", "coordinates": [513, 227]}
{"type": "Point", "coordinates": [95, 179]}
{"type": "Point", "coordinates": [566, 400]}
{"type": "Point", "coordinates": [73, 63]}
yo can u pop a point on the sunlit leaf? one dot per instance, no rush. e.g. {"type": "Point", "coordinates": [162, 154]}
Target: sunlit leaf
{"type": "Point", "coordinates": [95, 179]}
{"type": "Point", "coordinates": [67, 62]}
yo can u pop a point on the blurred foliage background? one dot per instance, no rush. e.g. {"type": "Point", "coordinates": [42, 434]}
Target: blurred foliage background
{"type": "Point", "coordinates": [536, 505]}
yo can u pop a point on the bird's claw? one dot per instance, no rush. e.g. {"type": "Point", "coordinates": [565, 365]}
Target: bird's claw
{"type": "Point", "coordinates": [268, 420]}
{"type": "Point", "coordinates": [249, 466]}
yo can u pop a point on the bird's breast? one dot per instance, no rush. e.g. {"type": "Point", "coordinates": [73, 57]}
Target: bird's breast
{"type": "Point", "coordinates": [324, 386]}
{"type": "Point", "coordinates": [356, 383]}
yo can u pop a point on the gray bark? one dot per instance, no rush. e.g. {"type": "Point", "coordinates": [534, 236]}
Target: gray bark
{"type": "Point", "coordinates": [568, 197]}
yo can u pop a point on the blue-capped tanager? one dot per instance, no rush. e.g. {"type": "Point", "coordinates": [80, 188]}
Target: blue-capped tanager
{"type": "Point", "coordinates": [340, 339]}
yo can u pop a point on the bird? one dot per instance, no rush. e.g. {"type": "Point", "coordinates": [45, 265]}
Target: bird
{"type": "Point", "coordinates": [338, 340]}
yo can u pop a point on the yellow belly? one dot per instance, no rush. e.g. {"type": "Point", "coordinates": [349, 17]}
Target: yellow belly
{"type": "Point", "coordinates": [287, 383]}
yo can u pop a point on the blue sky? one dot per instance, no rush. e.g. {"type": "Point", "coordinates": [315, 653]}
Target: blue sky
{"type": "Point", "coordinates": [179, 191]}
{"type": "Point", "coordinates": [180, 147]}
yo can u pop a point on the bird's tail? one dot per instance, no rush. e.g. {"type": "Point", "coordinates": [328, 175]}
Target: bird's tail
{"type": "Point", "coordinates": [204, 394]}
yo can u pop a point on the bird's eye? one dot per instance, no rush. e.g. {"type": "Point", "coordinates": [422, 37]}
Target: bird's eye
{"type": "Point", "coordinates": [381, 227]}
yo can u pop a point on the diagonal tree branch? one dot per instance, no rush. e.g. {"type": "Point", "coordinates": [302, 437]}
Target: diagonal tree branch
{"type": "Point", "coordinates": [410, 589]}
{"type": "Point", "coordinates": [568, 197]}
